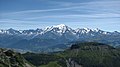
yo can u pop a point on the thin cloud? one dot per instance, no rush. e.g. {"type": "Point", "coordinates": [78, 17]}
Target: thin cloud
{"type": "Point", "coordinates": [36, 11]}
{"type": "Point", "coordinates": [93, 11]}
{"type": "Point", "coordinates": [106, 15]}
{"type": "Point", "coordinates": [91, 6]}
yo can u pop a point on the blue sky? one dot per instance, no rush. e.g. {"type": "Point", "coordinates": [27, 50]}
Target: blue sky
{"type": "Point", "coordinates": [32, 14]}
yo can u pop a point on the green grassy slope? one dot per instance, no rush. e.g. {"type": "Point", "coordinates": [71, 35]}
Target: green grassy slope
{"type": "Point", "coordinates": [88, 54]}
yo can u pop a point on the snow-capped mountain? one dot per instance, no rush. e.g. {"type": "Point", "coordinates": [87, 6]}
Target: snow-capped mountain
{"type": "Point", "coordinates": [9, 31]}
{"type": "Point", "coordinates": [60, 31]}
{"type": "Point", "coordinates": [54, 35]}
{"type": "Point", "coordinates": [57, 30]}
{"type": "Point", "coordinates": [37, 31]}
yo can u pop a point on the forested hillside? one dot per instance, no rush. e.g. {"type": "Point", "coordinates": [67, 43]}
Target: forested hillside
{"type": "Point", "coordinates": [88, 54]}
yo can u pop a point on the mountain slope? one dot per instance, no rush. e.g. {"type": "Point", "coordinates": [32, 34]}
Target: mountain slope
{"type": "Point", "coordinates": [92, 54]}
{"type": "Point", "coordinates": [53, 36]}
{"type": "Point", "coordinates": [87, 54]}
{"type": "Point", "coordinates": [9, 58]}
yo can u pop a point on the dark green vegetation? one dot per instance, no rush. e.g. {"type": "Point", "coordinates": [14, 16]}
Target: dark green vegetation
{"type": "Point", "coordinates": [9, 58]}
{"type": "Point", "coordinates": [88, 54]}
{"type": "Point", "coordinates": [94, 55]}
{"type": "Point", "coordinates": [44, 59]}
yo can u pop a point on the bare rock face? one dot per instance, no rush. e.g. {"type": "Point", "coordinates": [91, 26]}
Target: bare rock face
{"type": "Point", "coordinates": [9, 58]}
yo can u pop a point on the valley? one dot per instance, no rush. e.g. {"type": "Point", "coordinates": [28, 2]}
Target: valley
{"type": "Point", "coordinates": [54, 38]}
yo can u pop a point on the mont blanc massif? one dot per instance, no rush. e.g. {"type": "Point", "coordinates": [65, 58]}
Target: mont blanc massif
{"type": "Point", "coordinates": [54, 38]}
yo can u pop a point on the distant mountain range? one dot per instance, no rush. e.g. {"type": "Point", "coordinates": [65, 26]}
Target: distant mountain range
{"type": "Point", "coordinates": [54, 38]}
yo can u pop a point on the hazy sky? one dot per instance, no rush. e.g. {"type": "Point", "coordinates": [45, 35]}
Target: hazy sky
{"type": "Point", "coordinates": [31, 14]}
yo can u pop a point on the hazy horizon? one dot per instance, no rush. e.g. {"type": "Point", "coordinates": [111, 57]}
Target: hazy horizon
{"type": "Point", "coordinates": [55, 25]}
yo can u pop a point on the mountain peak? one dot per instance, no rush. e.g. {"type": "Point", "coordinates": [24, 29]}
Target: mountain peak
{"type": "Point", "coordinates": [58, 29]}
{"type": "Point", "coordinates": [83, 30]}
{"type": "Point", "coordinates": [60, 26]}
{"type": "Point", "coordinates": [97, 29]}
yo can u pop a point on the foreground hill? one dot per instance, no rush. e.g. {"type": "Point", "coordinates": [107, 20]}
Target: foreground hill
{"type": "Point", "coordinates": [88, 54]}
{"type": "Point", "coordinates": [9, 58]}
{"type": "Point", "coordinates": [93, 55]}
